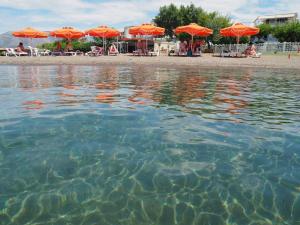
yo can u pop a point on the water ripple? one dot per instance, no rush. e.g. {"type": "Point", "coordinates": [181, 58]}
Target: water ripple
{"type": "Point", "coordinates": [143, 145]}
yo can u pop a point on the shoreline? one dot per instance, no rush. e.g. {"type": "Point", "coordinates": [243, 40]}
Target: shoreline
{"type": "Point", "coordinates": [206, 61]}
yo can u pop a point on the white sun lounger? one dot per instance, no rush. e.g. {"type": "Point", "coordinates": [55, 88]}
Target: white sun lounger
{"type": "Point", "coordinates": [33, 51]}
{"type": "Point", "coordinates": [95, 51]}
{"type": "Point", "coordinates": [44, 52]}
{"type": "Point", "coordinates": [153, 53]}
{"type": "Point", "coordinates": [12, 52]}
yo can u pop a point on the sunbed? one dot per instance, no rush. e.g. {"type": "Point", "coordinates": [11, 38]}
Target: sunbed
{"type": "Point", "coordinates": [230, 54]}
{"type": "Point", "coordinates": [12, 52]}
{"type": "Point", "coordinates": [113, 50]}
{"type": "Point", "coordinates": [197, 52]}
{"type": "Point", "coordinates": [44, 52]}
{"type": "Point", "coordinates": [138, 52]}
{"type": "Point", "coordinates": [56, 53]}
{"type": "Point", "coordinates": [182, 53]}
{"type": "Point", "coordinates": [153, 53]}
{"type": "Point", "coordinates": [33, 51]}
{"type": "Point", "coordinates": [95, 51]}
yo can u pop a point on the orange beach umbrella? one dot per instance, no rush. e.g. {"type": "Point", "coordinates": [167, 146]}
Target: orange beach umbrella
{"type": "Point", "coordinates": [147, 29]}
{"type": "Point", "coordinates": [239, 30]}
{"type": "Point", "coordinates": [30, 33]}
{"type": "Point", "coordinates": [68, 33]}
{"type": "Point", "coordinates": [103, 31]}
{"type": "Point", "coordinates": [194, 29]}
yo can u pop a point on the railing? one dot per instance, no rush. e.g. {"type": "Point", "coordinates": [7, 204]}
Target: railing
{"type": "Point", "coordinates": [263, 48]}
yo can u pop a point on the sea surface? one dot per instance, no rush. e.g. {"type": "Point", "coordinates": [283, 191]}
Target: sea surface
{"type": "Point", "coordinates": [149, 145]}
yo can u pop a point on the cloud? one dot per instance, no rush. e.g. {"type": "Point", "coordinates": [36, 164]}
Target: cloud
{"type": "Point", "coordinates": [83, 14]}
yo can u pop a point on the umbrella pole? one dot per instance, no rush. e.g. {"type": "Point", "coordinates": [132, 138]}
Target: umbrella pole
{"type": "Point", "coordinates": [192, 44]}
{"type": "Point", "coordinates": [238, 42]}
{"type": "Point", "coordinates": [118, 44]}
{"type": "Point", "coordinates": [31, 52]}
{"type": "Point", "coordinates": [103, 45]}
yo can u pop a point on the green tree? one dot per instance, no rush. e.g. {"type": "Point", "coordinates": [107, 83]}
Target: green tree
{"type": "Point", "coordinates": [172, 16]}
{"type": "Point", "coordinates": [168, 17]}
{"type": "Point", "coordinates": [289, 32]}
{"type": "Point", "coordinates": [265, 31]}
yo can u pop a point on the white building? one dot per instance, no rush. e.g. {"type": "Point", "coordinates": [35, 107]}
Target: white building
{"type": "Point", "coordinates": [276, 19]}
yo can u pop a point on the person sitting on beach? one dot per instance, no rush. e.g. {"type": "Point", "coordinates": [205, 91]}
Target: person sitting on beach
{"type": "Point", "coordinates": [58, 47]}
{"type": "Point", "coordinates": [20, 48]}
{"type": "Point", "coordinates": [250, 50]}
{"type": "Point", "coordinates": [69, 47]}
{"type": "Point", "coordinates": [139, 48]}
{"type": "Point", "coordinates": [182, 48]}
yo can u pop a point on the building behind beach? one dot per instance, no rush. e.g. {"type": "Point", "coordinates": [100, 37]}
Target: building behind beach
{"type": "Point", "coordinates": [277, 19]}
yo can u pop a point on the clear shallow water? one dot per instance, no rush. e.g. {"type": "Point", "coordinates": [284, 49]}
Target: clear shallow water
{"type": "Point", "coordinates": [145, 145]}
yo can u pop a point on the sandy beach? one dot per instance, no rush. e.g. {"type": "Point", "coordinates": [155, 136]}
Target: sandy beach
{"type": "Point", "coordinates": [207, 60]}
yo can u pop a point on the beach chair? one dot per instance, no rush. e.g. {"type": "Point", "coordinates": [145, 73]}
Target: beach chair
{"type": "Point", "coordinates": [182, 52]}
{"type": "Point", "coordinates": [138, 52]}
{"type": "Point", "coordinates": [12, 52]}
{"type": "Point", "coordinates": [153, 53]}
{"type": "Point", "coordinates": [95, 51]}
{"type": "Point", "coordinates": [44, 52]}
{"type": "Point", "coordinates": [237, 55]}
{"type": "Point", "coordinates": [9, 52]}
{"type": "Point", "coordinates": [223, 54]}
{"type": "Point", "coordinates": [113, 50]}
{"type": "Point", "coordinates": [69, 53]}
{"type": "Point", "coordinates": [257, 55]}
{"type": "Point", "coordinates": [57, 53]}
{"type": "Point", "coordinates": [33, 51]}
{"type": "Point", "coordinates": [197, 52]}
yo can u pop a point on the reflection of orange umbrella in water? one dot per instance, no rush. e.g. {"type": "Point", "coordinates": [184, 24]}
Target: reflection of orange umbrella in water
{"type": "Point", "coordinates": [104, 85]}
{"type": "Point", "coordinates": [145, 87]}
{"type": "Point", "coordinates": [105, 98]}
{"type": "Point", "coordinates": [239, 30]}
{"type": "Point", "coordinates": [188, 88]}
{"type": "Point", "coordinates": [232, 88]}
{"type": "Point", "coordinates": [107, 83]}
{"type": "Point", "coordinates": [33, 105]}
{"type": "Point", "coordinates": [140, 94]}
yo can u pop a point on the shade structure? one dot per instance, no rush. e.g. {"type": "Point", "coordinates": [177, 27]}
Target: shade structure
{"type": "Point", "coordinates": [194, 29]}
{"type": "Point", "coordinates": [147, 29]}
{"type": "Point", "coordinates": [239, 30]}
{"type": "Point", "coordinates": [68, 33]}
{"type": "Point", "coordinates": [30, 33]}
{"type": "Point", "coordinates": [103, 31]}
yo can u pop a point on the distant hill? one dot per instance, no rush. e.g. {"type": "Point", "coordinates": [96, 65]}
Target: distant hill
{"type": "Point", "coordinates": [7, 40]}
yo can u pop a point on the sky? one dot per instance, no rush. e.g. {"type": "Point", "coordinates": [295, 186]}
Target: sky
{"type": "Point", "coordinates": [84, 14]}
